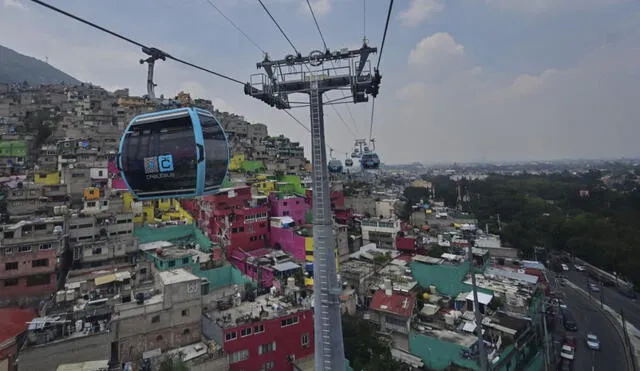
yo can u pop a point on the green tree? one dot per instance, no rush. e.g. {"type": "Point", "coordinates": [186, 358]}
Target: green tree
{"type": "Point", "coordinates": [364, 349]}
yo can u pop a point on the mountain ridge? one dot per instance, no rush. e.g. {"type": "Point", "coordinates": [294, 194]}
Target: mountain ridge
{"type": "Point", "coordinates": [16, 68]}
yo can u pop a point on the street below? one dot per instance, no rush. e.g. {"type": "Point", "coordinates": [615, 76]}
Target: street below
{"type": "Point", "coordinates": [589, 319]}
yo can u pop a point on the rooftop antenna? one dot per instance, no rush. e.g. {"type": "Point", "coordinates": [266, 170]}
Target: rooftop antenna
{"type": "Point", "coordinates": [273, 87]}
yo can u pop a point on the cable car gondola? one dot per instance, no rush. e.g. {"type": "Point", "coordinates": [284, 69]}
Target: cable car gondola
{"type": "Point", "coordinates": [370, 161]}
{"type": "Point", "coordinates": [335, 166]}
{"type": "Point", "coordinates": [176, 153]}
{"type": "Point", "coordinates": [355, 153]}
{"type": "Point", "coordinates": [348, 162]}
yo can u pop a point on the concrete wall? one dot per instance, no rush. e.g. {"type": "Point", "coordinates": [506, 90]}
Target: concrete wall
{"type": "Point", "coordinates": [47, 357]}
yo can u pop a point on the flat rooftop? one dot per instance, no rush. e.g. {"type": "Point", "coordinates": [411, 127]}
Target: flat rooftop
{"type": "Point", "coordinates": [265, 307]}
{"type": "Point", "coordinates": [176, 276]}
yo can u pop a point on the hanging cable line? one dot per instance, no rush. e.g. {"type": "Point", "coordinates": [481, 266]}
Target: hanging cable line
{"type": "Point", "coordinates": [384, 37]}
{"type": "Point", "coordinates": [131, 41]}
{"type": "Point", "coordinates": [313, 14]}
{"type": "Point", "coordinates": [278, 25]}
{"type": "Point", "coordinates": [236, 26]}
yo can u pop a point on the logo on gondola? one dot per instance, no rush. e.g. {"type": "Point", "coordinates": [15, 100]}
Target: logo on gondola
{"type": "Point", "coordinates": [165, 163]}
{"type": "Point", "coordinates": [162, 164]}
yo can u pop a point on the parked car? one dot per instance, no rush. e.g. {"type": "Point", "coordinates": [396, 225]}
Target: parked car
{"type": "Point", "coordinates": [594, 287]}
{"type": "Point", "coordinates": [593, 342]}
{"type": "Point", "coordinates": [567, 352]}
{"type": "Point", "coordinates": [565, 267]}
{"type": "Point", "coordinates": [580, 268]}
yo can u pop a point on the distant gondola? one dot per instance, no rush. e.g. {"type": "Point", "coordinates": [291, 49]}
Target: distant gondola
{"type": "Point", "coordinates": [370, 161]}
{"type": "Point", "coordinates": [335, 166]}
{"type": "Point", "coordinates": [176, 153]}
{"type": "Point", "coordinates": [348, 162]}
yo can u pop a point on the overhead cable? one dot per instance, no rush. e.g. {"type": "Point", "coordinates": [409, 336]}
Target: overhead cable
{"type": "Point", "coordinates": [278, 25]}
{"type": "Point", "coordinates": [236, 26]}
{"type": "Point", "coordinates": [131, 41]}
{"type": "Point", "coordinates": [384, 38]}
{"type": "Point", "coordinates": [313, 14]}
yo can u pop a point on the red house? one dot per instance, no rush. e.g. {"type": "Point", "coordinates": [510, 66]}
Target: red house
{"type": "Point", "coordinates": [265, 335]}
{"type": "Point", "coordinates": [232, 214]}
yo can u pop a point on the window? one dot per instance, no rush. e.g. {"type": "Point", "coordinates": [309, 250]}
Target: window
{"type": "Point", "coordinates": [239, 356]}
{"type": "Point", "coordinates": [268, 366]}
{"type": "Point", "coordinates": [10, 282]}
{"type": "Point", "coordinates": [258, 329]}
{"type": "Point", "coordinates": [230, 336]}
{"type": "Point", "coordinates": [304, 339]}
{"type": "Point", "coordinates": [38, 280]}
{"type": "Point", "coordinates": [185, 260]}
{"type": "Point", "coordinates": [46, 246]}
{"type": "Point", "coordinates": [172, 263]}
{"type": "Point", "coordinates": [245, 332]}
{"type": "Point", "coordinates": [155, 319]}
{"type": "Point", "coordinates": [10, 266]}
{"type": "Point", "coordinates": [267, 348]}
{"type": "Point", "coordinates": [186, 331]}
{"type": "Point", "coordinates": [185, 312]}
{"type": "Point", "coordinates": [289, 321]}
{"type": "Point", "coordinates": [40, 263]}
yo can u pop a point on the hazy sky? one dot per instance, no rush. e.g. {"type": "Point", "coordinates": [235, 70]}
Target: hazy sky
{"type": "Point", "coordinates": [463, 80]}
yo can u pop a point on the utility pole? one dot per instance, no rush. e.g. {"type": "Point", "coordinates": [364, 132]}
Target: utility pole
{"type": "Point", "coordinates": [476, 305]}
{"type": "Point", "coordinates": [287, 76]}
{"type": "Point", "coordinates": [546, 337]}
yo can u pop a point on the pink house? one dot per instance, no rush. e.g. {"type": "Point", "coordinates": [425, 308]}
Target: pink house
{"type": "Point", "coordinates": [114, 176]}
{"type": "Point", "coordinates": [292, 206]}
{"type": "Point", "coordinates": [289, 239]}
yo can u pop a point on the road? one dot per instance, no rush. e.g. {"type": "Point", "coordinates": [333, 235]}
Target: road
{"type": "Point", "coordinates": [590, 318]}
{"type": "Point", "coordinates": [610, 297]}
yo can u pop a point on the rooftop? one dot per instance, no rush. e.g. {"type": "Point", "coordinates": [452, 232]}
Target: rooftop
{"type": "Point", "coordinates": [265, 307]}
{"type": "Point", "coordinates": [176, 276]}
{"type": "Point", "coordinates": [398, 303]}
{"type": "Point", "coordinates": [13, 322]}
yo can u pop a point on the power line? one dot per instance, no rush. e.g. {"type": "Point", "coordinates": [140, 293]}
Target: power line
{"type": "Point", "coordinates": [313, 14]}
{"type": "Point", "coordinates": [236, 26]}
{"type": "Point", "coordinates": [131, 41]}
{"type": "Point", "coordinates": [278, 25]}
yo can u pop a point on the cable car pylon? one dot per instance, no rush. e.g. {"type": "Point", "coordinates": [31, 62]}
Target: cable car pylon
{"type": "Point", "coordinates": [272, 88]}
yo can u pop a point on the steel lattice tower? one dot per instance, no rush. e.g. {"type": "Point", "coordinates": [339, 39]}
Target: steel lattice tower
{"type": "Point", "coordinates": [294, 74]}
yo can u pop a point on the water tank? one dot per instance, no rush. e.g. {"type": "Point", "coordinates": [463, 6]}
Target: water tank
{"type": "Point", "coordinates": [60, 296]}
{"type": "Point", "coordinates": [291, 282]}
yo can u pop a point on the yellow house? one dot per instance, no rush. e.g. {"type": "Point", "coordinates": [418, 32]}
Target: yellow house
{"type": "Point", "coordinates": [145, 211]}
{"type": "Point", "coordinates": [236, 161]}
{"type": "Point", "coordinates": [266, 186]}
{"type": "Point", "coordinates": [47, 178]}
